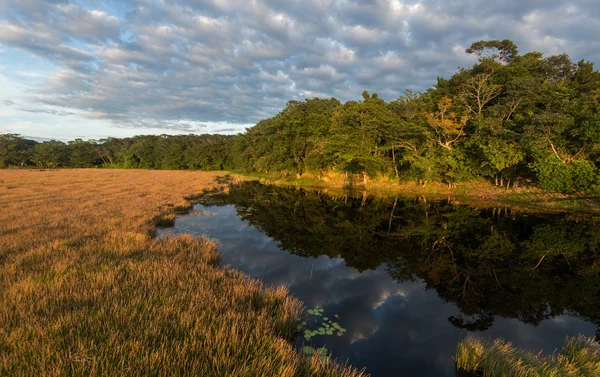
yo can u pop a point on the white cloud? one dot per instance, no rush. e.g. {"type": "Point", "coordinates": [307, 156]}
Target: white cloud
{"type": "Point", "coordinates": [176, 64]}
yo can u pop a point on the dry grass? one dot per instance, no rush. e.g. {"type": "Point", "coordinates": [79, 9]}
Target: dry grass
{"type": "Point", "coordinates": [86, 290]}
{"type": "Point", "coordinates": [579, 357]}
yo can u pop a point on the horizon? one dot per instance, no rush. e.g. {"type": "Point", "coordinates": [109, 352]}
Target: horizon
{"type": "Point", "coordinates": [98, 69]}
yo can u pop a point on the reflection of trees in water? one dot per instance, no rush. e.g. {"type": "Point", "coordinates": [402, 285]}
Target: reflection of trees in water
{"type": "Point", "coordinates": [487, 262]}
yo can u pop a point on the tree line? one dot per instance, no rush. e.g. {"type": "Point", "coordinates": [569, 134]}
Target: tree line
{"type": "Point", "coordinates": [510, 118]}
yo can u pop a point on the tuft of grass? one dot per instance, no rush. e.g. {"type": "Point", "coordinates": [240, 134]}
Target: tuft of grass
{"type": "Point", "coordinates": [579, 357]}
{"type": "Point", "coordinates": [165, 220]}
{"type": "Point", "coordinates": [85, 290]}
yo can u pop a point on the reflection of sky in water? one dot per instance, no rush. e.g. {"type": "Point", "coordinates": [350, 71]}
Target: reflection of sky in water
{"type": "Point", "coordinates": [392, 328]}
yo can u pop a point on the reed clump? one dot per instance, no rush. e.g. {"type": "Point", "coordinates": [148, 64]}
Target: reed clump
{"type": "Point", "coordinates": [579, 357]}
{"type": "Point", "coordinates": [86, 290]}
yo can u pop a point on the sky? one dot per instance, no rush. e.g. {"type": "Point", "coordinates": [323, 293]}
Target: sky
{"type": "Point", "coordinates": [92, 69]}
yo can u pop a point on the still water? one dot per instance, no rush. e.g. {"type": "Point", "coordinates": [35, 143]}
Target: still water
{"type": "Point", "coordinates": [408, 278]}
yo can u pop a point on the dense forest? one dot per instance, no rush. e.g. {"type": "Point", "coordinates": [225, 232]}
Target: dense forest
{"type": "Point", "coordinates": [511, 119]}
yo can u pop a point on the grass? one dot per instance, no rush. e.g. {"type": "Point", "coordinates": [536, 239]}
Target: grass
{"type": "Point", "coordinates": [579, 357]}
{"type": "Point", "coordinates": [86, 289]}
{"type": "Point", "coordinates": [481, 194]}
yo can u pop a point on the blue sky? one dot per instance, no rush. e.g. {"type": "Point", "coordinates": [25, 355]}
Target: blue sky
{"type": "Point", "coordinates": [93, 69]}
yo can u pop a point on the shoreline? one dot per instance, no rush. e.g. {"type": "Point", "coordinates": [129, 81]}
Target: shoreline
{"type": "Point", "coordinates": [479, 194]}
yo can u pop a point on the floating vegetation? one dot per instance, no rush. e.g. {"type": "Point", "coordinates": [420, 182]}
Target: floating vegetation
{"type": "Point", "coordinates": [321, 352]}
{"type": "Point", "coordinates": [321, 325]}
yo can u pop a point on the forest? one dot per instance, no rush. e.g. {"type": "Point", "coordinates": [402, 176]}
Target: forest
{"type": "Point", "coordinates": [511, 119]}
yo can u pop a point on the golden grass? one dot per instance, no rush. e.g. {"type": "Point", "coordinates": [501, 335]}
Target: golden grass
{"type": "Point", "coordinates": [86, 290]}
{"type": "Point", "coordinates": [579, 357]}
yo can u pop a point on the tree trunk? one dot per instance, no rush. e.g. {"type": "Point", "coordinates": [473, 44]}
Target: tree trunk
{"type": "Point", "coordinates": [394, 160]}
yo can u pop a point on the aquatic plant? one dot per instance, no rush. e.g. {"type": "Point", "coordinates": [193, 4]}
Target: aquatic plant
{"type": "Point", "coordinates": [320, 325]}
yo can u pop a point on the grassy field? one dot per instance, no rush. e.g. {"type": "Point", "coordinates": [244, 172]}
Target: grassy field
{"type": "Point", "coordinates": [478, 194]}
{"type": "Point", "coordinates": [86, 289]}
{"type": "Point", "coordinates": [579, 357]}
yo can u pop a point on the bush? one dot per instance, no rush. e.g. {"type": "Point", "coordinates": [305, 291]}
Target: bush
{"type": "Point", "coordinates": [553, 174]}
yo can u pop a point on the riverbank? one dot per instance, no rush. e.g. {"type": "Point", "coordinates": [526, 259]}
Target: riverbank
{"type": "Point", "coordinates": [579, 356]}
{"type": "Point", "coordinates": [480, 194]}
{"type": "Point", "coordinates": [89, 291]}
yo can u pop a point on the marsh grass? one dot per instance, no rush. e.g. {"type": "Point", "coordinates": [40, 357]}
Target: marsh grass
{"type": "Point", "coordinates": [579, 357]}
{"type": "Point", "coordinates": [86, 290]}
{"type": "Point", "coordinates": [165, 219]}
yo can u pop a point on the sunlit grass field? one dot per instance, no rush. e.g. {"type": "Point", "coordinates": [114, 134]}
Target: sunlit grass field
{"type": "Point", "coordinates": [86, 289]}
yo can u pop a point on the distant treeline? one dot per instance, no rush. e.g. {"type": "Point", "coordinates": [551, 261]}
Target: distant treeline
{"type": "Point", "coordinates": [510, 119]}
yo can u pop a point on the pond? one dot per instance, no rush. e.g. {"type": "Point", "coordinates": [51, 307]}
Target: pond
{"type": "Point", "coordinates": [402, 280]}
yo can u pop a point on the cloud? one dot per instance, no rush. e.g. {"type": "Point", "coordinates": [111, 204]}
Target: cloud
{"type": "Point", "coordinates": [172, 65]}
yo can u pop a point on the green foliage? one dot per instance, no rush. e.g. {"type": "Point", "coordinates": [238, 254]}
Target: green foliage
{"type": "Point", "coordinates": [51, 154]}
{"type": "Point", "coordinates": [510, 118]}
{"type": "Point", "coordinates": [14, 150]}
{"type": "Point", "coordinates": [320, 325]}
{"type": "Point", "coordinates": [578, 175]}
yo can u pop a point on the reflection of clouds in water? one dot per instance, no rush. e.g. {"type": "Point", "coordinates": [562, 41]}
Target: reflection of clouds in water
{"type": "Point", "coordinates": [392, 328]}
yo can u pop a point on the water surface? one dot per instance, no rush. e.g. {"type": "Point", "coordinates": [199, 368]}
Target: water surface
{"type": "Point", "coordinates": [408, 278]}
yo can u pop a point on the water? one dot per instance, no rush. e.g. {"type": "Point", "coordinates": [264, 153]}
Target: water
{"type": "Point", "coordinates": [408, 278]}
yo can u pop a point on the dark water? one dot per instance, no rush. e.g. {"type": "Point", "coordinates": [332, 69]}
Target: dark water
{"type": "Point", "coordinates": [408, 278]}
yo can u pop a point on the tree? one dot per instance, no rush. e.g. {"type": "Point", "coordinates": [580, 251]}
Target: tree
{"type": "Point", "coordinates": [503, 51]}
{"type": "Point", "coordinates": [359, 130]}
{"type": "Point", "coordinates": [51, 154]}
{"type": "Point", "coordinates": [477, 92]}
{"type": "Point", "coordinates": [82, 154]}
{"type": "Point", "coordinates": [15, 150]}
{"type": "Point", "coordinates": [447, 126]}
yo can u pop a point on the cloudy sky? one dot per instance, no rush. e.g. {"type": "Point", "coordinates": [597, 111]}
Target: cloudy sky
{"type": "Point", "coordinates": [94, 68]}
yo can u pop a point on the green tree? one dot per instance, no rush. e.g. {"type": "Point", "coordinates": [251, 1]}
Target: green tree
{"type": "Point", "coordinates": [51, 154]}
{"type": "Point", "coordinates": [15, 150]}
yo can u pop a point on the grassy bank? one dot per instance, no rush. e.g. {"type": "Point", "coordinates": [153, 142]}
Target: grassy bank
{"type": "Point", "coordinates": [578, 357]}
{"type": "Point", "coordinates": [478, 194]}
{"type": "Point", "coordinates": [86, 290]}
